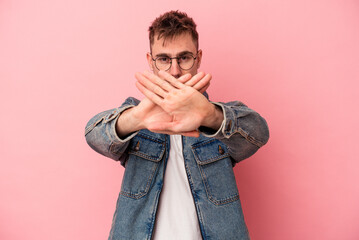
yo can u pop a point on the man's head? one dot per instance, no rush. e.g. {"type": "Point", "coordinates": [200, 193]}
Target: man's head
{"type": "Point", "coordinates": [174, 35]}
{"type": "Point", "coordinates": [172, 24]}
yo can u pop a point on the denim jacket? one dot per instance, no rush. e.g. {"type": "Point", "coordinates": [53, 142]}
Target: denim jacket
{"type": "Point", "coordinates": [209, 161]}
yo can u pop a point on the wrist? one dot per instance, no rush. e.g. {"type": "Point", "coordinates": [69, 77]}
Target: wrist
{"type": "Point", "coordinates": [127, 123]}
{"type": "Point", "coordinates": [135, 119]}
{"type": "Point", "coordinates": [213, 118]}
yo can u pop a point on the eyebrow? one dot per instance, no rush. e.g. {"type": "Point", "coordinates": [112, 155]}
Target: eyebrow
{"type": "Point", "coordinates": [178, 54]}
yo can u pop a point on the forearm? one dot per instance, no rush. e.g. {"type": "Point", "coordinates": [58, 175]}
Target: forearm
{"type": "Point", "coordinates": [127, 123]}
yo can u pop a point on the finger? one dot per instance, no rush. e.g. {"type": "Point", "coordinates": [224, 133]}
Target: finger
{"type": "Point", "coordinates": [150, 86]}
{"type": "Point", "coordinates": [202, 90]}
{"type": "Point", "coordinates": [190, 134]}
{"type": "Point", "coordinates": [161, 126]}
{"type": "Point", "coordinates": [187, 134]}
{"type": "Point", "coordinates": [203, 82]}
{"type": "Point", "coordinates": [158, 81]}
{"type": "Point", "coordinates": [185, 78]}
{"type": "Point", "coordinates": [171, 128]}
{"type": "Point", "coordinates": [195, 79]}
{"type": "Point", "coordinates": [149, 94]}
{"type": "Point", "coordinates": [172, 80]}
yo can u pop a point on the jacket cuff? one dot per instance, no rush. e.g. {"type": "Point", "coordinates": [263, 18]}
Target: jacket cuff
{"type": "Point", "coordinates": [227, 128]}
{"type": "Point", "coordinates": [112, 120]}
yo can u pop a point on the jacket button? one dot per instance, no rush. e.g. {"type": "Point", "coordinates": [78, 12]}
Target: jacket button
{"type": "Point", "coordinates": [220, 150]}
{"type": "Point", "coordinates": [137, 148]}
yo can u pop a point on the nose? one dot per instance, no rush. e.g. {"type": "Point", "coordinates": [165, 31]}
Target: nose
{"type": "Point", "coordinates": [175, 70]}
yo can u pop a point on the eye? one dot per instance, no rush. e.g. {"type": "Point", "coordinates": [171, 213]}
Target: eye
{"type": "Point", "coordinates": [185, 58]}
{"type": "Point", "coordinates": [163, 59]}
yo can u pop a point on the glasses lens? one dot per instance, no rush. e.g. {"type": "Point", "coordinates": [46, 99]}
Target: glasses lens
{"type": "Point", "coordinates": [186, 62]}
{"type": "Point", "coordinates": [163, 63]}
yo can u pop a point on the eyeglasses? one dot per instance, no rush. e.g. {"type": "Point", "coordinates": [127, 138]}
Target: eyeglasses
{"type": "Point", "coordinates": [185, 62]}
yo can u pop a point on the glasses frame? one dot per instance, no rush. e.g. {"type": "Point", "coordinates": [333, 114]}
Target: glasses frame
{"type": "Point", "coordinates": [194, 58]}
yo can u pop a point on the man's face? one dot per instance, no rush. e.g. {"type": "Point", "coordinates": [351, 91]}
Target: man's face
{"type": "Point", "coordinates": [176, 47]}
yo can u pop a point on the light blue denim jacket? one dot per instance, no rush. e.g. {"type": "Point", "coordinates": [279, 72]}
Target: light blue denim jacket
{"type": "Point", "coordinates": [209, 161]}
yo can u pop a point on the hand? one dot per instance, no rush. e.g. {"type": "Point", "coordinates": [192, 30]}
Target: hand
{"type": "Point", "coordinates": [148, 113]}
{"type": "Point", "coordinates": [188, 108]}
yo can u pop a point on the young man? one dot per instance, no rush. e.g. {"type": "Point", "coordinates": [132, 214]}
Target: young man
{"type": "Point", "coordinates": [178, 148]}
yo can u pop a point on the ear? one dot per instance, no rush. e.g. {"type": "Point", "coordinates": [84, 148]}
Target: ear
{"type": "Point", "coordinates": [149, 60]}
{"type": "Point", "coordinates": [199, 58]}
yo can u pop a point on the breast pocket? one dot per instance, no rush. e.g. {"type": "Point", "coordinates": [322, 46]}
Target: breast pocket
{"type": "Point", "coordinates": [145, 154]}
{"type": "Point", "coordinates": [216, 171]}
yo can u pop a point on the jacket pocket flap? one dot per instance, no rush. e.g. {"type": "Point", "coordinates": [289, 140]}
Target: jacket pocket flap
{"type": "Point", "coordinates": [147, 147]}
{"type": "Point", "coordinates": [210, 151]}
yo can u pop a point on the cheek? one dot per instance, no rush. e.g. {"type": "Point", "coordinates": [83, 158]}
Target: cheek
{"type": "Point", "coordinates": [154, 70]}
{"type": "Point", "coordinates": [193, 71]}
{"type": "Point", "coordinates": [153, 67]}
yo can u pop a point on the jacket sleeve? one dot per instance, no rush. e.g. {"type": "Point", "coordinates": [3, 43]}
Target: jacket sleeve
{"type": "Point", "coordinates": [243, 130]}
{"type": "Point", "coordinates": [101, 136]}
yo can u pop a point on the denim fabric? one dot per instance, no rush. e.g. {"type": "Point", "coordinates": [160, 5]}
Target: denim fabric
{"type": "Point", "coordinates": [209, 161]}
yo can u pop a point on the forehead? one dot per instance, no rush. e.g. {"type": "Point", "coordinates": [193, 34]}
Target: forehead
{"type": "Point", "coordinates": [173, 46]}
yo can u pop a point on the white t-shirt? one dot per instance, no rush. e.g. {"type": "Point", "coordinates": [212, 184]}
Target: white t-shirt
{"type": "Point", "coordinates": [176, 217]}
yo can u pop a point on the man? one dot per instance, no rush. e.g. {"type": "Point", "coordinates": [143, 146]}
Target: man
{"type": "Point", "coordinates": [178, 148]}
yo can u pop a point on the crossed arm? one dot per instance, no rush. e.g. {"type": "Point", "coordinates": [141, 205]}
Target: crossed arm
{"type": "Point", "coordinates": [176, 106]}
{"type": "Point", "coordinates": [171, 106]}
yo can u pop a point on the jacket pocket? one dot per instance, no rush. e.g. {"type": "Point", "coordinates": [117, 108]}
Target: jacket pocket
{"type": "Point", "coordinates": [145, 154]}
{"type": "Point", "coordinates": [216, 171]}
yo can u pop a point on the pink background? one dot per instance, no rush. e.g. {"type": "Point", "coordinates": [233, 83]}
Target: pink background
{"type": "Point", "coordinates": [295, 61]}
